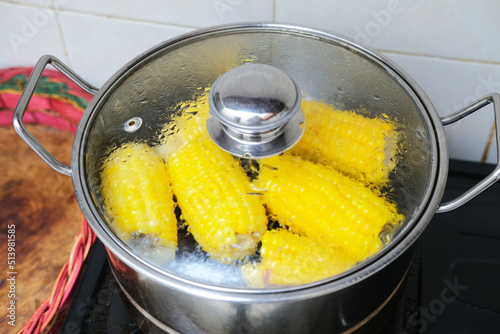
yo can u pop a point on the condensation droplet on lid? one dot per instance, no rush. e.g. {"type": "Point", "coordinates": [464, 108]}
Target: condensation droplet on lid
{"type": "Point", "coordinates": [421, 134]}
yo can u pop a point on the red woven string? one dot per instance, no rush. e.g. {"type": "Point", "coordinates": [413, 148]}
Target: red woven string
{"type": "Point", "coordinates": [58, 300]}
{"type": "Point", "coordinates": [57, 110]}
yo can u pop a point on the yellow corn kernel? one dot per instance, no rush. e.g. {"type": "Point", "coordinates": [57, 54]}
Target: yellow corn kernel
{"type": "Point", "coordinates": [290, 259]}
{"type": "Point", "coordinates": [358, 146]}
{"type": "Point", "coordinates": [135, 187]}
{"type": "Point", "coordinates": [322, 203]}
{"type": "Point", "coordinates": [212, 190]}
{"type": "Point", "coordinates": [188, 126]}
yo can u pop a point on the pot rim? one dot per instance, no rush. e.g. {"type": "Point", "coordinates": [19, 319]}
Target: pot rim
{"type": "Point", "coordinates": [439, 171]}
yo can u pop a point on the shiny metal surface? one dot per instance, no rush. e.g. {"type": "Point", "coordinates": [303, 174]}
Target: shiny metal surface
{"type": "Point", "coordinates": [255, 111]}
{"type": "Point", "coordinates": [494, 176]}
{"type": "Point", "coordinates": [25, 99]}
{"type": "Point", "coordinates": [359, 79]}
{"type": "Point", "coordinates": [314, 310]}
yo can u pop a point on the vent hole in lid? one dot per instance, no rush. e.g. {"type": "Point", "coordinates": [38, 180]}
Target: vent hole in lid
{"type": "Point", "coordinates": [133, 124]}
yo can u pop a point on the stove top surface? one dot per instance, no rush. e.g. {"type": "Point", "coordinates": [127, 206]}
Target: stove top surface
{"type": "Point", "coordinates": [453, 285]}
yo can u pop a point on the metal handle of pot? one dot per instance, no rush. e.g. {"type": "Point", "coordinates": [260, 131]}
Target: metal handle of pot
{"type": "Point", "coordinates": [493, 98]}
{"type": "Point", "coordinates": [25, 99]}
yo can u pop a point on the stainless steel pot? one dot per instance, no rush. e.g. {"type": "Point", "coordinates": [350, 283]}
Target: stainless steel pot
{"type": "Point", "coordinates": [326, 67]}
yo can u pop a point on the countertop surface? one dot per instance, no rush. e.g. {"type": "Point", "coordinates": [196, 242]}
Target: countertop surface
{"type": "Point", "coordinates": [41, 206]}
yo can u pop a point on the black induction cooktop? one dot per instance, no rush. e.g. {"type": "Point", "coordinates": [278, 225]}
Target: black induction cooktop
{"type": "Point", "coordinates": [453, 285]}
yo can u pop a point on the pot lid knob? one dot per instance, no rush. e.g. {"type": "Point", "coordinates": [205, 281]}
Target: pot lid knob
{"type": "Point", "coordinates": [255, 111]}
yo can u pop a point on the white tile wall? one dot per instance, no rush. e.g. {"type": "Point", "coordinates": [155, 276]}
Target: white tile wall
{"type": "Point", "coordinates": [38, 3]}
{"type": "Point", "coordinates": [26, 33]}
{"type": "Point", "coordinates": [98, 46]}
{"type": "Point", "coordinates": [190, 13]}
{"type": "Point", "coordinates": [460, 29]}
{"type": "Point", "coordinates": [450, 47]}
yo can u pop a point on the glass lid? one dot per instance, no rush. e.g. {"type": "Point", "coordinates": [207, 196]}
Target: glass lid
{"type": "Point", "coordinates": [352, 174]}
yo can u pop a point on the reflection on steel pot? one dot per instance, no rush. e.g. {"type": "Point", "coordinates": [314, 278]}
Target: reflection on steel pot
{"type": "Point", "coordinates": [142, 96]}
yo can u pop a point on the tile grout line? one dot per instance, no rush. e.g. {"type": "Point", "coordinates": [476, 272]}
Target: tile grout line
{"type": "Point", "coordinates": [61, 33]}
{"type": "Point", "coordinates": [20, 3]}
{"type": "Point", "coordinates": [121, 18]}
{"type": "Point", "coordinates": [97, 14]}
{"type": "Point", "coordinates": [464, 60]}
{"type": "Point", "coordinates": [486, 150]}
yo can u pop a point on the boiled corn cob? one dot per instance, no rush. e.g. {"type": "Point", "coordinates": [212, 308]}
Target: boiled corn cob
{"type": "Point", "coordinates": [212, 191]}
{"type": "Point", "coordinates": [137, 196]}
{"type": "Point", "coordinates": [360, 147]}
{"type": "Point", "coordinates": [185, 127]}
{"type": "Point", "coordinates": [322, 203]}
{"type": "Point", "coordinates": [290, 259]}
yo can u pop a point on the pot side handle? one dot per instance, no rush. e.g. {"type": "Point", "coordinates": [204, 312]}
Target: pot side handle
{"type": "Point", "coordinates": [488, 181]}
{"type": "Point", "coordinates": [25, 99]}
